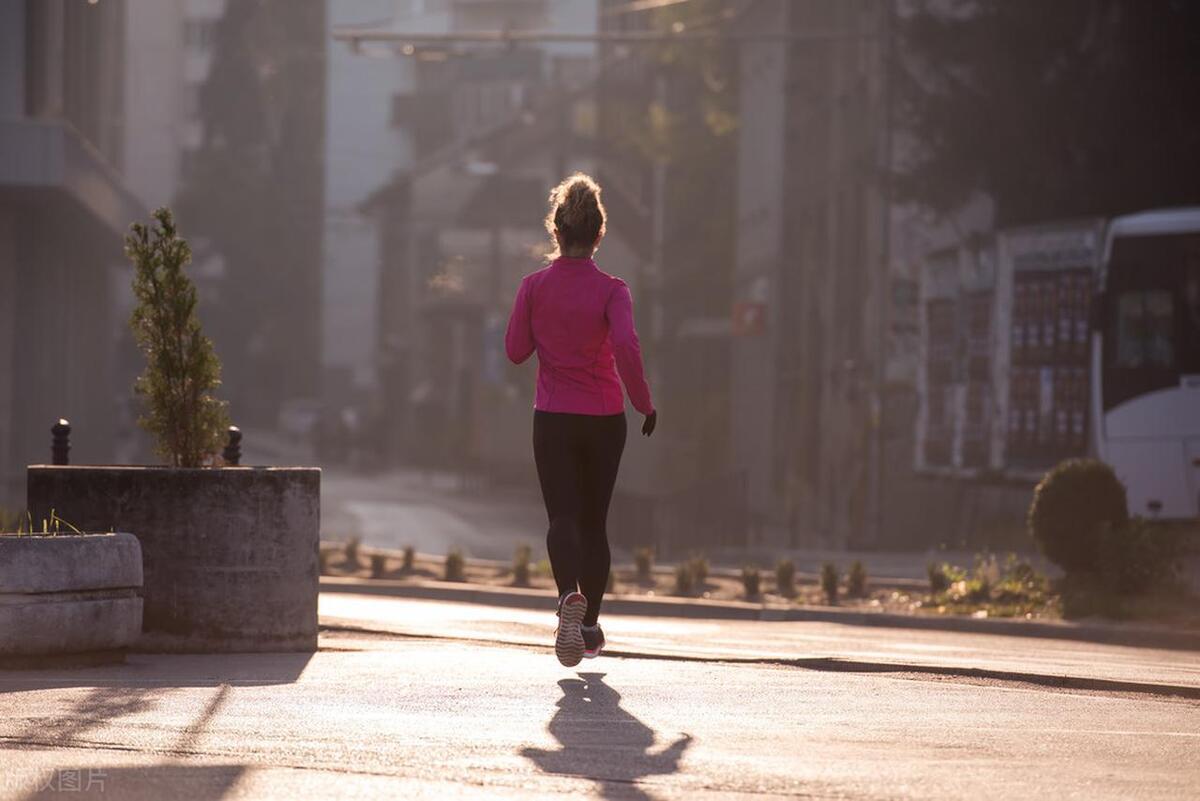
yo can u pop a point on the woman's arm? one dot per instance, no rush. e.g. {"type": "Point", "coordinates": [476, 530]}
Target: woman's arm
{"type": "Point", "coordinates": [518, 339]}
{"type": "Point", "coordinates": [626, 349]}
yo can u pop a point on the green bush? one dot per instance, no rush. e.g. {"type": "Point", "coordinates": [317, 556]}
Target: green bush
{"type": "Point", "coordinates": [684, 584]}
{"type": "Point", "coordinates": [1019, 582]}
{"type": "Point", "coordinates": [1073, 505]}
{"type": "Point", "coordinates": [611, 586]}
{"type": "Point", "coordinates": [690, 575]}
{"type": "Point", "coordinates": [9, 521]}
{"type": "Point", "coordinates": [378, 565]}
{"type": "Point", "coordinates": [751, 581]}
{"type": "Point", "coordinates": [188, 424]}
{"type": "Point", "coordinates": [643, 558]}
{"type": "Point", "coordinates": [455, 566]}
{"type": "Point", "coordinates": [323, 561]}
{"type": "Point", "coordinates": [521, 565]}
{"type": "Point", "coordinates": [350, 551]}
{"type": "Point", "coordinates": [1137, 557]}
{"type": "Point", "coordinates": [829, 582]}
{"type": "Point", "coordinates": [856, 580]}
{"type": "Point", "coordinates": [410, 556]}
{"type": "Point", "coordinates": [785, 578]}
{"type": "Point", "coordinates": [942, 575]}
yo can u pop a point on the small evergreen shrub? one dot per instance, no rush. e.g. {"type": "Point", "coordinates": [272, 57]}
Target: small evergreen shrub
{"type": "Point", "coordinates": [942, 575]}
{"type": "Point", "coordinates": [829, 582]}
{"type": "Point", "coordinates": [699, 567]}
{"type": "Point", "coordinates": [9, 521]}
{"type": "Point", "coordinates": [611, 585]}
{"type": "Point", "coordinates": [323, 561]}
{"type": "Point", "coordinates": [856, 580]}
{"type": "Point", "coordinates": [684, 583]}
{"type": "Point", "coordinates": [410, 556]}
{"type": "Point", "coordinates": [378, 565]}
{"type": "Point", "coordinates": [751, 581]}
{"type": "Point", "coordinates": [350, 551]}
{"type": "Point", "coordinates": [182, 370]}
{"type": "Point", "coordinates": [1137, 557]}
{"type": "Point", "coordinates": [785, 578]}
{"type": "Point", "coordinates": [455, 566]}
{"type": "Point", "coordinates": [1073, 506]}
{"type": "Point", "coordinates": [643, 559]}
{"type": "Point", "coordinates": [521, 566]}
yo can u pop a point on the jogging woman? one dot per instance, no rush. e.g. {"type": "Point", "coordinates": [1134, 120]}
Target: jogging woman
{"type": "Point", "coordinates": [580, 321]}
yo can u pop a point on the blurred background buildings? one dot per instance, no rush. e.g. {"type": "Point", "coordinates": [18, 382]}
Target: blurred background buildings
{"type": "Point", "coordinates": [839, 342]}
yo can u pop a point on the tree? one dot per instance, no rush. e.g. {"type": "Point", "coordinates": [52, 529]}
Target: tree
{"type": "Point", "coordinates": [182, 368]}
{"type": "Point", "coordinates": [1055, 109]}
{"type": "Point", "coordinates": [254, 189]}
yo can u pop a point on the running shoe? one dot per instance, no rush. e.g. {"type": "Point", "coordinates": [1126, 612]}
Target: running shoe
{"type": "Point", "coordinates": [568, 637]}
{"type": "Point", "coordinates": [593, 641]}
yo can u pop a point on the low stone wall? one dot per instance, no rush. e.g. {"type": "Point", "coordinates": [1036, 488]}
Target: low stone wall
{"type": "Point", "coordinates": [68, 594]}
{"type": "Point", "coordinates": [229, 554]}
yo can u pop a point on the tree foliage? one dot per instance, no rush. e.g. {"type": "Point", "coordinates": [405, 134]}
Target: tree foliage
{"type": "Point", "coordinates": [182, 369]}
{"type": "Point", "coordinates": [1054, 109]}
{"type": "Point", "coordinates": [1073, 505]}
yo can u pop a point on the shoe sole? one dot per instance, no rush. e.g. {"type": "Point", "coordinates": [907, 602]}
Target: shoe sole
{"type": "Point", "coordinates": [568, 642]}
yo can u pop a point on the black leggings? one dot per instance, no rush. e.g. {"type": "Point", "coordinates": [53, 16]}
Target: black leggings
{"type": "Point", "coordinates": [577, 457]}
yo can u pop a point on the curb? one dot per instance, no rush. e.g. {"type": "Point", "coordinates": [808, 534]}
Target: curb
{"type": "Point", "coordinates": [665, 570]}
{"type": "Point", "coordinates": [517, 597]}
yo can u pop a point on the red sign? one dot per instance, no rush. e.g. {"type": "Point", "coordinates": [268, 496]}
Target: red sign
{"type": "Point", "coordinates": [749, 319]}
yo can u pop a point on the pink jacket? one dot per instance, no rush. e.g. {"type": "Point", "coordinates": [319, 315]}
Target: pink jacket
{"type": "Point", "coordinates": [580, 321]}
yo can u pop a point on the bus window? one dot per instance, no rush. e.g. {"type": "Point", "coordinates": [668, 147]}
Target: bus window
{"type": "Point", "coordinates": [1144, 329]}
{"type": "Point", "coordinates": [1190, 317]}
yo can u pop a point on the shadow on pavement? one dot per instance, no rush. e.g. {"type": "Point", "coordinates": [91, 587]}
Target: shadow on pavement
{"type": "Point", "coordinates": [603, 742]}
{"type": "Point", "coordinates": [137, 688]}
{"type": "Point", "coordinates": [194, 782]}
{"type": "Point", "coordinates": [165, 671]}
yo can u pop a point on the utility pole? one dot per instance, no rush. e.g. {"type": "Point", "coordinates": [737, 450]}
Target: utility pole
{"type": "Point", "coordinates": [883, 280]}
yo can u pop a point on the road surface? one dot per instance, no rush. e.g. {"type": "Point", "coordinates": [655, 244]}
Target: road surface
{"type": "Point", "coordinates": [474, 712]}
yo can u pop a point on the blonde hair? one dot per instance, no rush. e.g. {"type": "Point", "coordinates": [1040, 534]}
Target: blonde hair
{"type": "Point", "coordinates": [576, 214]}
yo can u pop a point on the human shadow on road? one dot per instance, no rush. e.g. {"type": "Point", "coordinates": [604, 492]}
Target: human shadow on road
{"type": "Point", "coordinates": [603, 742]}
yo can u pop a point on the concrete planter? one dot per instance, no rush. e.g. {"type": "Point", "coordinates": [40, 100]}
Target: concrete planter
{"type": "Point", "coordinates": [229, 554]}
{"type": "Point", "coordinates": [68, 594]}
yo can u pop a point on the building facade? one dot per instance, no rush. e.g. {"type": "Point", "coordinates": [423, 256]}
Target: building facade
{"type": "Point", "coordinates": [482, 133]}
{"type": "Point", "coordinates": [811, 269]}
{"type": "Point", "coordinates": [64, 207]}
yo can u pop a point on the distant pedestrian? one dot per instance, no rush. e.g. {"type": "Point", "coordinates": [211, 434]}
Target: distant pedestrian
{"type": "Point", "coordinates": [580, 321]}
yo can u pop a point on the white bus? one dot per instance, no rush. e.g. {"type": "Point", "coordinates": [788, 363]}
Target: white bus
{"type": "Point", "coordinates": [1146, 361]}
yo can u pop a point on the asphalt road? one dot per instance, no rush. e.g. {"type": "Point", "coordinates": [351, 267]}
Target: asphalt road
{"type": "Point", "coordinates": [827, 646]}
{"type": "Point", "coordinates": [458, 716]}
{"type": "Point", "coordinates": [432, 512]}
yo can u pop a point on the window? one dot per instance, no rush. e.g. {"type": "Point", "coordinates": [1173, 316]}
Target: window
{"type": "Point", "coordinates": [1143, 329]}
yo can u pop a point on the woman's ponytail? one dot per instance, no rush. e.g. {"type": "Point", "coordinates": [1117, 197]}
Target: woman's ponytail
{"type": "Point", "coordinates": [576, 213]}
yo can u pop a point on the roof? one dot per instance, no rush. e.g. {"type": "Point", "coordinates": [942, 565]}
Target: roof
{"type": "Point", "coordinates": [1182, 220]}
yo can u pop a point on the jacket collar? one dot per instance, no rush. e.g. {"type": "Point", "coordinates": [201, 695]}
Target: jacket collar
{"type": "Point", "coordinates": [568, 261]}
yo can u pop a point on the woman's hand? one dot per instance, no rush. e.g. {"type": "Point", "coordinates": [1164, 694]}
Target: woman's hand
{"type": "Point", "coordinates": [651, 421]}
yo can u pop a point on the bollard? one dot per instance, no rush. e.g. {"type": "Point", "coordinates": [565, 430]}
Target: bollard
{"type": "Point", "coordinates": [233, 449]}
{"type": "Point", "coordinates": [60, 444]}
